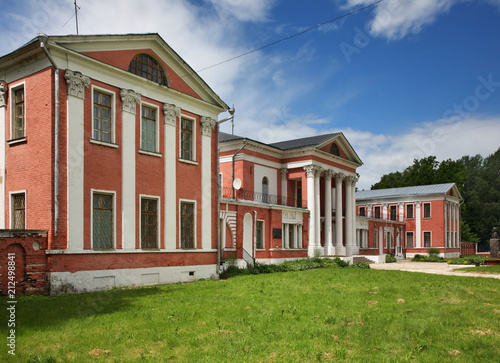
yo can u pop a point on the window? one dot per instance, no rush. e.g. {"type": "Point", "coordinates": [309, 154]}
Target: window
{"type": "Point", "coordinates": [102, 221]}
{"type": "Point", "coordinates": [375, 236]}
{"type": "Point", "coordinates": [18, 211]}
{"type": "Point", "coordinates": [393, 213]}
{"type": "Point", "coordinates": [265, 189]}
{"type": "Point", "coordinates": [259, 235]}
{"type": "Point", "coordinates": [147, 67]}
{"type": "Point", "coordinates": [299, 195]}
{"type": "Point", "coordinates": [18, 114]}
{"type": "Point", "coordinates": [427, 239]}
{"type": "Point", "coordinates": [409, 240]}
{"type": "Point", "coordinates": [149, 223]}
{"type": "Point", "coordinates": [409, 211]}
{"type": "Point", "coordinates": [362, 211]}
{"type": "Point", "coordinates": [291, 236]}
{"type": "Point", "coordinates": [427, 210]}
{"type": "Point", "coordinates": [334, 150]}
{"type": "Point", "coordinates": [377, 212]}
{"type": "Point", "coordinates": [148, 129]}
{"type": "Point", "coordinates": [187, 229]}
{"type": "Point", "coordinates": [186, 139]}
{"type": "Point", "coordinates": [101, 127]}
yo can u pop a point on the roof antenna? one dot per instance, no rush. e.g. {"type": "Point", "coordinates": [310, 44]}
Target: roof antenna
{"type": "Point", "coordinates": [76, 15]}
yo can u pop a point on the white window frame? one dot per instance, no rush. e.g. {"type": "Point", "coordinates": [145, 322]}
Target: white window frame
{"type": "Point", "coordinates": [158, 222]}
{"type": "Point", "coordinates": [101, 191]}
{"type": "Point", "coordinates": [413, 238]}
{"type": "Point", "coordinates": [11, 208]}
{"type": "Point", "coordinates": [423, 210]}
{"type": "Point", "coordinates": [194, 222]}
{"type": "Point", "coordinates": [12, 90]}
{"type": "Point", "coordinates": [263, 235]}
{"type": "Point", "coordinates": [112, 142]}
{"type": "Point", "coordinates": [423, 239]}
{"type": "Point", "coordinates": [193, 151]}
{"type": "Point", "coordinates": [406, 210]}
{"type": "Point", "coordinates": [157, 129]}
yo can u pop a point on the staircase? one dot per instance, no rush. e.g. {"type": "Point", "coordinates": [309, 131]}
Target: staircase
{"type": "Point", "coordinates": [357, 259]}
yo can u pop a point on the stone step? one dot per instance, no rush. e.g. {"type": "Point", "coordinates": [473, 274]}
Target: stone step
{"type": "Point", "coordinates": [357, 259]}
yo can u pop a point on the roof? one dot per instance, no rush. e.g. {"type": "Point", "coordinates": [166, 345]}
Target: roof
{"type": "Point", "coordinates": [228, 137]}
{"type": "Point", "coordinates": [303, 142]}
{"type": "Point", "coordinates": [406, 191]}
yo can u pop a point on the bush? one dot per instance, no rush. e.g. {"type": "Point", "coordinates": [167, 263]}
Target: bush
{"type": "Point", "coordinates": [432, 258]}
{"type": "Point", "coordinates": [433, 252]}
{"type": "Point", "coordinates": [390, 259]}
{"type": "Point", "coordinates": [467, 260]}
{"type": "Point", "coordinates": [362, 265]}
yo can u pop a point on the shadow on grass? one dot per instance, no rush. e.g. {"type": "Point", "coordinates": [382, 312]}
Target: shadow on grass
{"type": "Point", "coordinates": [47, 312]}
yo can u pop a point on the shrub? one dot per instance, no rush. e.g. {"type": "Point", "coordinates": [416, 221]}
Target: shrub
{"type": "Point", "coordinates": [362, 265]}
{"type": "Point", "coordinates": [390, 259]}
{"type": "Point", "coordinates": [433, 251]}
{"type": "Point", "coordinates": [467, 260]}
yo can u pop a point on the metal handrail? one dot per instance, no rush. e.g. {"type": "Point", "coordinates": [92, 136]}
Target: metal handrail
{"type": "Point", "coordinates": [242, 194]}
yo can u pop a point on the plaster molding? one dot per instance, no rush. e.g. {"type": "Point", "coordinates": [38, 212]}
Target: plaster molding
{"type": "Point", "coordinates": [130, 99]}
{"type": "Point", "coordinates": [171, 112]}
{"type": "Point", "coordinates": [207, 124]}
{"type": "Point", "coordinates": [77, 82]}
{"type": "Point", "coordinates": [3, 93]}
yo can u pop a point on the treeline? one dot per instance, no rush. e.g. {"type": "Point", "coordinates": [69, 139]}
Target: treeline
{"type": "Point", "coordinates": [478, 180]}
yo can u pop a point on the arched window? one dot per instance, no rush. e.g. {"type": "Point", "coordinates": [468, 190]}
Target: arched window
{"type": "Point", "coordinates": [334, 150]}
{"type": "Point", "coordinates": [147, 67]}
{"type": "Point", "coordinates": [265, 189]}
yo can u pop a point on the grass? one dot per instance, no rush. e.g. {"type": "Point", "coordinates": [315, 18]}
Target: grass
{"type": "Point", "coordinates": [321, 315]}
{"type": "Point", "coordinates": [492, 269]}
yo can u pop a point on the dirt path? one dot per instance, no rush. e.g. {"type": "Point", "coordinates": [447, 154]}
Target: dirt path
{"type": "Point", "coordinates": [440, 268]}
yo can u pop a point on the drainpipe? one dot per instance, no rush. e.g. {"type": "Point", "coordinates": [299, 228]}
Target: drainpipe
{"type": "Point", "coordinates": [43, 38]}
{"type": "Point", "coordinates": [231, 117]}
{"type": "Point", "coordinates": [234, 156]}
{"type": "Point", "coordinates": [254, 236]}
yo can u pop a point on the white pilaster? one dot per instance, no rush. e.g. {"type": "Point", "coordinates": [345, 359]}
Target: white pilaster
{"type": "Point", "coordinates": [457, 222]}
{"type": "Point", "coordinates": [3, 109]}
{"type": "Point", "coordinates": [171, 115]}
{"type": "Point", "coordinates": [355, 246]}
{"type": "Point", "coordinates": [207, 125]}
{"type": "Point", "coordinates": [339, 246]}
{"type": "Point", "coordinates": [446, 210]}
{"type": "Point", "coordinates": [348, 217]}
{"type": "Point", "coordinates": [369, 208]}
{"type": "Point", "coordinates": [450, 222]}
{"type": "Point", "coordinates": [418, 228]}
{"type": "Point", "coordinates": [328, 250]}
{"type": "Point", "coordinates": [129, 101]}
{"type": "Point", "coordinates": [310, 172]}
{"type": "Point", "coordinates": [401, 211]}
{"type": "Point", "coordinates": [317, 205]}
{"type": "Point", "coordinates": [284, 192]}
{"type": "Point", "coordinates": [76, 83]}
{"type": "Point", "coordinates": [384, 211]}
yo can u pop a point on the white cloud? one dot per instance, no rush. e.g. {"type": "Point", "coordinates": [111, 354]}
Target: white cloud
{"type": "Point", "coordinates": [244, 10]}
{"type": "Point", "coordinates": [395, 19]}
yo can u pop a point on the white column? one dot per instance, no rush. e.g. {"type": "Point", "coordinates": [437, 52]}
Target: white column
{"type": "Point", "coordinates": [171, 115]}
{"type": "Point", "coordinates": [401, 211]}
{"type": "Point", "coordinates": [310, 172]}
{"type": "Point", "coordinates": [450, 223]}
{"type": "Point", "coordinates": [384, 211]}
{"type": "Point", "coordinates": [207, 125]}
{"type": "Point", "coordinates": [457, 222]}
{"type": "Point", "coordinates": [446, 241]}
{"type": "Point", "coordinates": [317, 205]}
{"type": "Point", "coordinates": [418, 228]}
{"type": "Point", "coordinates": [349, 238]}
{"type": "Point", "coordinates": [328, 250]}
{"type": "Point", "coordinates": [77, 83]}
{"type": "Point", "coordinates": [284, 191]}
{"type": "Point", "coordinates": [369, 208]}
{"type": "Point", "coordinates": [339, 246]}
{"type": "Point", "coordinates": [130, 99]}
{"type": "Point", "coordinates": [3, 109]}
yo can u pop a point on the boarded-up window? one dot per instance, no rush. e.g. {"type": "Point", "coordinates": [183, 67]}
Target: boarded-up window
{"type": "Point", "coordinates": [149, 223]}
{"type": "Point", "coordinates": [102, 221]}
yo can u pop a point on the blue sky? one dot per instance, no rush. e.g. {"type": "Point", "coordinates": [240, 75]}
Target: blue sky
{"type": "Point", "coordinates": [402, 79]}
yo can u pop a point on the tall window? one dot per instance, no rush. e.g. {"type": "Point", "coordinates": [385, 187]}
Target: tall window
{"type": "Point", "coordinates": [393, 213]}
{"type": "Point", "coordinates": [409, 211]}
{"type": "Point", "coordinates": [148, 129]}
{"type": "Point", "coordinates": [427, 239]}
{"type": "Point", "coordinates": [362, 211]}
{"type": "Point", "coordinates": [265, 189]}
{"type": "Point", "coordinates": [427, 210]}
{"type": "Point", "coordinates": [102, 221]}
{"type": "Point", "coordinates": [187, 225]}
{"type": "Point", "coordinates": [259, 235]}
{"type": "Point", "coordinates": [186, 139]}
{"type": "Point", "coordinates": [19, 211]}
{"type": "Point", "coordinates": [299, 195]}
{"type": "Point", "coordinates": [377, 212]}
{"type": "Point", "coordinates": [101, 128]}
{"type": "Point", "coordinates": [149, 223]}
{"type": "Point", "coordinates": [375, 237]}
{"type": "Point", "coordinates": [409, 240]}
{"type": "Point", "coordinates": [18, 121]}
{"type": "Point", "coordinates": [147, 67]}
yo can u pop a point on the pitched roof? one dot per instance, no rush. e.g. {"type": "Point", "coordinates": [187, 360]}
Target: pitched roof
{"type": "Point", "coordinates": [303, 142]}
{"type": "Point", "coordinates": [405, 191]}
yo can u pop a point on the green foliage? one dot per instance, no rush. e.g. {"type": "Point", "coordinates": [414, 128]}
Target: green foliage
{"type": "Point", "coordinates": [467, 260]}
{"type": "Point", "coordinates": [433, 251]}
{"type": "Point", "coordinates": [425, 258]}
{"type": "Point", "coordinates": [477, 179]}
{"type": "Point", "coordinates": [362, 265]}
{"type": "Point", "coordinates": [390, 259]}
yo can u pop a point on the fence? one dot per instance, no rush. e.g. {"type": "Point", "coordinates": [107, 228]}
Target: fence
{"type": "Point", "coordinates": [468, 248]}
{"type": "Point", "coordinates": [241, 194]}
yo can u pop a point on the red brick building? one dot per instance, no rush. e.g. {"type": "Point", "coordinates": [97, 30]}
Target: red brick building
{"type": "Point", "coordinates": [109, 144]}
{"type": "Point", "coordinates": [430, 215]}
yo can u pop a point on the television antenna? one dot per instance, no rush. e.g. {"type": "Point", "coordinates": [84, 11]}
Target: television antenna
{"type": "Point", "coordinates": [76, 16]}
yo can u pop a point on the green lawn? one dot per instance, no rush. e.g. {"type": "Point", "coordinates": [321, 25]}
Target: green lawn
{"type": "Point", "coordinates": [492, 269]}
{"type": "Point", "coordinates": [330, 314]}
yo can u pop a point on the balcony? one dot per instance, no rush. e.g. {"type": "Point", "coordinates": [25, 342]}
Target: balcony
{"type": "Point", "coordinates": [242, 194]}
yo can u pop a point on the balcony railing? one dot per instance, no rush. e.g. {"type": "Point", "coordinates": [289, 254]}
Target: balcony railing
{"type": "Point", "coordinates": [241, 194]}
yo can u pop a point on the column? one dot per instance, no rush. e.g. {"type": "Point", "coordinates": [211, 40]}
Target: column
{"type": "Point", "coordinates": [457, 223]}
{"type": "Point", "coordinates": [384, 211]}
{"type": "Point", "coordinates": [207, 125]}
{"type": "Point", "coordinates": [355, 249]}
{"type": "Point", "coordinates": [418, 228]}
{"type": "Point", "coordinates": [76, 83]}
{"type": "Point", "coordinates": [3, 109]}
{"type": "Point", "coordinates": [450, 223]}
{"type": "Point", "coordinates": [317, 206]}
{"type": "Point", "coordinates": [171, 114]}
{"type": "Point", "coordinates": [446, 241]}
{"type": "Point", "coordinates": [310, 172]}
{"type": "Point", "coordinates": [401, 211]}
{"type": "Point", "coordinates": [328, 250]}
{"type": "Point", "coordinates": [284, 191]}
{"type": "Point", "coordinates": [348, 217]}
{"type": "Point", "coordinates": [369, 208]}
{"type": "Point", "coordinates": [129, 101]}
{"type": "Point", "coordinates": [339, 246]}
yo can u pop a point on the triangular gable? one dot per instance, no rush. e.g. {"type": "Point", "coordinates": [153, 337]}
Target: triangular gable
{"type": "Point", "coordinates": [345, 148]}
{"type": "Point", "coordinates": [118, 51]}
